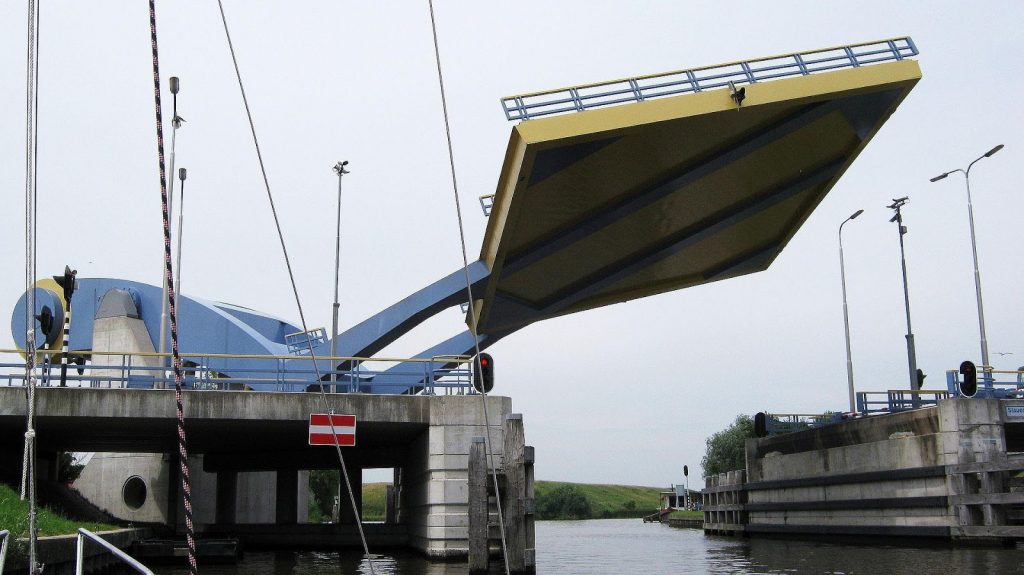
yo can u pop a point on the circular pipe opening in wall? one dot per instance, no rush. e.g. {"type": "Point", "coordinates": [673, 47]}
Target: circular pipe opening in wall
{"type": "Point", "coordinates": [133, 493]}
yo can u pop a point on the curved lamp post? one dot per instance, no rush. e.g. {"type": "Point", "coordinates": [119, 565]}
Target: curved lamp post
{"type": "Point", "coordinates": [846, 315]}
{"type": "Point", "coordinates": [987, 367]}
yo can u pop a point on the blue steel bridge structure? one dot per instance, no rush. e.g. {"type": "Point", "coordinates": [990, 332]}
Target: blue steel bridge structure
{"type": "Point", "coordinates": [608, 192]}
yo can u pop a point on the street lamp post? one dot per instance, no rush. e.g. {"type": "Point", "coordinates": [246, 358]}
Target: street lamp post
{"type": "Point", "coordinates": [987, 367]}
{"type": "Point", "coordinates": [176, 121]}
{"type": "Point", "coordinates": [182, 172]}
{"type": "Point", "coordinates": [339, 169]}
{"type": "Point", "coordinates": [846, 315]}
{"type": "Point", "coordinates": [896, 205]}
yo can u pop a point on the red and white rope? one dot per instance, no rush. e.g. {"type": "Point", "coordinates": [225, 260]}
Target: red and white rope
{"type": "Point", "coordinates": [186, 489]}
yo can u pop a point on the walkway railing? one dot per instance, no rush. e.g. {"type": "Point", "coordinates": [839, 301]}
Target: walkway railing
{"type": "Point", "coordinates": [640, 88]}
{"type": "Point", "coordinates": [4, 536]}
{"type": "Point", "coordinates": [80, 563]}
{"type": "Point", "coordinates": [779, 423]}
{"type": "Point", "coordinates": [1000, 384]}
{"type": "Point", "coordinates": [448, 375]}
{"type": "Point", "coordinates": [894, 400]}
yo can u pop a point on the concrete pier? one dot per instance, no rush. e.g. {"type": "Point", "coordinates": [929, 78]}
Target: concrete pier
{"type": "Point", "coordinates": [249, 457]}
{"type": "Point", "coordinates": [942, 472]}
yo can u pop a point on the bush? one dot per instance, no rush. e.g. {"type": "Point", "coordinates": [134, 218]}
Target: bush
{"type": "Point", "coordinates": [726, 450]}
{"type": "Point", "coordinates": [564, 502]}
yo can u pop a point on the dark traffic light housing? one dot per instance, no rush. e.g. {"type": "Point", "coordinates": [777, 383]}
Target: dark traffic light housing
{"type": "Point", "coordinates": [969, 382]}
{"type": "Point", "coordinates": [67, 283]}
{"type": "Point", "coordinates": [46, 325]}
{"type": "Point", "coordinates": [920, 378]}
{"type": "Point", "coordinates": [483, 375]}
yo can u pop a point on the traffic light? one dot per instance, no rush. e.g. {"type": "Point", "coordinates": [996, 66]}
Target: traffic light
{"type": "Point", "coordinates": [45, 318]}
{"type": "Point", "coordinates": [483, 375]}
{"type": "Point", "coordinates": [761, 424]}
{"type": "Point", "coordinates": [67, 282]}
{"type": "Point", "coordinates": [920, 378]}
{"type": "Point", "coordinates": [969, 384]}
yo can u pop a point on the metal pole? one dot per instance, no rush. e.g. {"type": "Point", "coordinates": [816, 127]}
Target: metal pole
{"type": "Point", "coordinates": [181, 226]}
{"type": "Point", "coordinates": [846, 315]}
{"type": "Point", "coordinates": [175, 123]}
{"type": "Point", "coordinates": [339, 169]}
{"type": "Point", "coordinates": [986, 366]}
{"type": "Point", "coordinates": [911, 352]}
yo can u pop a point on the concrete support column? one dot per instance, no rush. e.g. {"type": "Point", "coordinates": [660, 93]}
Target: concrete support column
{"type": "Point", "coordinates": [345, 514]}
{"type": "Point", "coordinates": [287, 496]}
{"type": "Point", "coordinates": [227, 497]}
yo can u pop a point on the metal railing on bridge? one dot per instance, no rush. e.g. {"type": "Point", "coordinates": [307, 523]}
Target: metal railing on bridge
{"type": "Point", "coordinates": [999, 384]}
{"type": "Point", "coordinates": [893, 400]}
{"type": "Point", "coordinates": [84, 534]}
{"type": "Point", "coordinates": [4, 536]}
{"type": "Point", "coordinates": [446, 375]}
{"type": "Point", "coordinates": [640, 88]}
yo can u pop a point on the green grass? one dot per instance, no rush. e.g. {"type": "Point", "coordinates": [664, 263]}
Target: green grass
{"type": "Point", "coordinates": [14, 517]}
{"type": "Point", "coordinates": [687, 514]}
{"type": "Point", "coordinates": [607, 501]}
{"type": "Point", "coordinates": [373, 501]}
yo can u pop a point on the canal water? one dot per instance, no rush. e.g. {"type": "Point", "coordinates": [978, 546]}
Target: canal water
{"type": "Point", "coordinates": [617, 546]}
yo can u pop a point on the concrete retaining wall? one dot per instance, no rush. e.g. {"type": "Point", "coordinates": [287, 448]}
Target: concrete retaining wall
{"type": "Point", "coordinates": [934, 472]}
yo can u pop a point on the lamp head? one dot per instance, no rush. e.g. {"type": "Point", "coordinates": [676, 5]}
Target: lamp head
{"type": "Point", "coordinates": [993, 150]}
{"type": "Point", "coordinates": [174, 84]}
{"type": "Point", "coordinates": [855, 214]}
{"type": "Point", "coordinates": [939, 177]}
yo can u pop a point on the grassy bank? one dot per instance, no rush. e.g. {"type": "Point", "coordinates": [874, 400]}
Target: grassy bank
{"type": "Point", "coordinates": [14, 517]}
{"type": "Point", "coordinates": [561, 500]}
{"type": "Point", "coordinates": [373, 501]}
{"type": "Point", "coordinates": [557, 500]}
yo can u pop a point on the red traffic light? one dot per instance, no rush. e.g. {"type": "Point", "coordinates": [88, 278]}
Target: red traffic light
{"type": "Point", "coordinates": [483, 375]}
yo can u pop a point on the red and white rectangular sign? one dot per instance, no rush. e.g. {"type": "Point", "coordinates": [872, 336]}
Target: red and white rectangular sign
{"type": "Point", "coordinates": [320, 429]}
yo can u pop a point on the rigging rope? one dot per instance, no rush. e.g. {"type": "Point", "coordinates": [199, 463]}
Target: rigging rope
{"type": "Point", "coordinates": [28, 482]}
{"type": "Point", "coordinates": [295, 291]}
{"type": "Point", "coordinates": [186, 489]}
{"type": "Point", "coordinates": [469, 286]}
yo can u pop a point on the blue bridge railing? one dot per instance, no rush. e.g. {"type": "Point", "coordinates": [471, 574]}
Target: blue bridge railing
{"type": "Point", "coordinates": [640, 88]}
{"type": "Point", "coordinates": [448, 375]}
{"type": "Point", "coordinates": [992, 383]}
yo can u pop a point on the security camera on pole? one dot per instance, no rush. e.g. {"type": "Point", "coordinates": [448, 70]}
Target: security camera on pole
{"type": "Point", "coordinates": [176, 122]}
{"type": "Point", "coordinates": [339, 169]}
{"type": "Point", "coordinates": [897, 205]}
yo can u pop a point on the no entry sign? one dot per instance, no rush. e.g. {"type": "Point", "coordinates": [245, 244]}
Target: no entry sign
{"type": "Point", "coordinates": [320, 429]}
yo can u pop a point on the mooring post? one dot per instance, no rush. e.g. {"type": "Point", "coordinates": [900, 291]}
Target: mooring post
{"type": "Point", "coordinates": [479, 545]}
{"type": "Point", "coordinates": [530, 509]}
{"type": "Point", "coordinates": [513, 462]}
{"type": "Point", "coordinates": [390, 505]}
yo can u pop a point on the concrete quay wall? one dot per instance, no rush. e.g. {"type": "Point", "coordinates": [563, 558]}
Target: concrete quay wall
{"type": "Point", "coordinates": [934, 472]}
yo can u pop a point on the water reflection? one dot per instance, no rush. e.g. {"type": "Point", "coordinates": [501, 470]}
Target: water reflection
{"type": "Point", "coordinates": [617, 546]}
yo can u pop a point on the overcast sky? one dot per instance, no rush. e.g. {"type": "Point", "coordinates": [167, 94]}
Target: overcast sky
{"type": "Point", "coordinates": [623, 394]}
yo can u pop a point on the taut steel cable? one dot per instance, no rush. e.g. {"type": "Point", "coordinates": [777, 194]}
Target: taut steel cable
{"type": "Point", "coordinates": [469, 287]}
{"type": "Point", "coordinates": [28, 482]}
{"type": "Point", "coordinates": [295, 290]}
